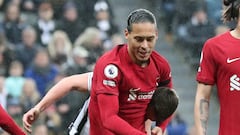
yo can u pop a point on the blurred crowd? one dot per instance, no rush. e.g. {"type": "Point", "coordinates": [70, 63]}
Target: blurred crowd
{"type": "Point", "coordinates": [42, 41]}
{"type": "Point", "coordinates": [190, 23]}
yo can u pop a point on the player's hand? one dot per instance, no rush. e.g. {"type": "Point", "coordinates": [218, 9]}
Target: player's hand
{"type": "Point", "coordinates": [148, 124]}
{"type": "Point", "coordinates": [29, 118]}
{"type": "Point", "coordinates": [157, 131]}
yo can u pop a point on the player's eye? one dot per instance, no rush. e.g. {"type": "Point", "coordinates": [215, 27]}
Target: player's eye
{"type": "Point", "coordinates": [150, 39]}
{"type": "Point", "coordinates": [139, 39]}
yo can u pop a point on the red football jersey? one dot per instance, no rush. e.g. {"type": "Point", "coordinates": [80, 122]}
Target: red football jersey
{"type": "Point", "coordinates": [116, 74]}
{"type": "Point", "coordinates": [220, 62]}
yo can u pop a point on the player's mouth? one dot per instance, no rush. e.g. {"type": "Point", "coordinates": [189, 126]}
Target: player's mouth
{"type": "Point", "coordinates": [143, 54]}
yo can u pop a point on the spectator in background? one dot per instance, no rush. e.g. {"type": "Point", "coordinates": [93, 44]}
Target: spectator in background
{"type": "Point", "coordinates": [104, 23]}
{"type": "Point", "coordinates": [45, 24]}
{"type": "Point", "coordinates": [29, 96]}
{"type": "Point", "coordinates": [213, 10]}
{"type": "Point", "coordinates": [25, 5]}
{"type": "Point", "coordinates": [71, 22]}
{"type": "Point", "coordinates": [116, 39]}
{"type": "Point", "coordinates": [14, 109]}
{"type": "Point", "coordinates": [40, 129]}
{"type": "Point", "coordinates": [7, 55]}
{"type": "Point", "coordinates": [12, 24]}
{"type": "Point", "coordinates": [198, 30]}
{"type": "Point", "coordinates": [86, 10]}
{"type": "Point", "coordinates": [28, 45]}
{"type": "Point", "coordinates": [52, 120]}
{"type": "Point", "coordinates": [169, 10]}
{"type": "Point", "coordinates": [59, 49]}
{"type": "Point", "coordinates": [66, 108]}
{"type": "Point", "coordinates": [42, 71]}
{"type": "Point", "coordinates": [30, 5]}
{"type": "Point", "coordinates": [90, 39]}
{"type": "Point", "coordinates": [80, 61]}
{"type": "Point", "coordinates": [14, 82]}
{"type": "Point", "coordinates": [177, 126]}
{"type": "Point", "coordinates": [182, 16]}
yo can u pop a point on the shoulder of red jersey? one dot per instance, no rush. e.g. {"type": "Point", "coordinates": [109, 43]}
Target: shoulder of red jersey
{"type": "Point", "coordinates": [218, 39]}
{"type": "Point", "coordinates": [158, 58]}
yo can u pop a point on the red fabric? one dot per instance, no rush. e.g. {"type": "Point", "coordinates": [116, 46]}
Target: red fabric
{"type": "Point", "coordinates": [220, 66]}
{"type": "Point", "coordinates": [132, 87]}
{"type": "Point", "coordinates": [8, 124]}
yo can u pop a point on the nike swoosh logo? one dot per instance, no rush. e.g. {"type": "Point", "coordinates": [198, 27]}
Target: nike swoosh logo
{"type": "Point", "coordinates": [232, 60]}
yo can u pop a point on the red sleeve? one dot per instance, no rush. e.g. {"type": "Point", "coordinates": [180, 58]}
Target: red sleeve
{"type": "Point", "coordinates": [8, 124]}
{"type": "Point", "coordinates": [207, 69]}
{"type": "Point", "coordinates": [109, 106]}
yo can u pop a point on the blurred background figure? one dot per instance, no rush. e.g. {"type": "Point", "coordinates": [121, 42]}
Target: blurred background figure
{"type": "Point", "coordinates": [71, 22]}
{"type": "Point", "coordinates": [29, 96]}
{"type": "Point", "coordinates": [59, 49]}
{"type": "Point", "coordinates": [7, 55]}
{"type": "Point", "coordinates": [177, 126]}
{"type": "Point", "coordinates": [116, 39]}
{"type": "Point", "coordinates": [197, 30]}
{"type": "Point", "coordinates": [40, 129]}
{"type": "Point", "coordinates": [29, 45]}
{"type": "Point", "coordinates": [105, 23]}
{"type": "Point", "coordinates": [80, 61]}
{"type": "Point", "coordinates": [53, 120]}
{"type": "Point", "coordinates": [42, 71]}
{"type": "Point", "coordinates": [45, 24]}
{"type": "Point", "coordinates": [13, 24]}
{"type": "Point", "coordinates": [91, 40]}
{"type": "Point", "coordinates": [168, 7]}
{"type": "Point", "coordinates": [15, 81]}
{"type": "Point", "coordinates": [15, 110]}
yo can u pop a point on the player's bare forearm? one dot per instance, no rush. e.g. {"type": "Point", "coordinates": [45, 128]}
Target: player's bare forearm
{"type": "Point", "coordinates": [202, 108]}
{"type": "Point", "coordinates": [62, 88]}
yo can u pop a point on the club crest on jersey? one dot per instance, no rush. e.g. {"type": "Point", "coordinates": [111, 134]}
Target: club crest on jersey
{"type": "Point", "coordinates": [234, 83]}
{"type": "Point", "coordinates": [111, 71]}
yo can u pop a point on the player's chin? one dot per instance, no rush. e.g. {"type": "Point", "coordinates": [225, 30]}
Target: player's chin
{"type": "Point", "coordinates": [143, 58]}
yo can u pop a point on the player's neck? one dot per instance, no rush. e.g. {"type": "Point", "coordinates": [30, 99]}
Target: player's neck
{"type": "Point", "coordinates": [236, 32]}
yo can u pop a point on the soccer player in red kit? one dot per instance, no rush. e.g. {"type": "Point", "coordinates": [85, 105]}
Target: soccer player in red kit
{"type": "Point", "coordinates": [220, 62]}
{"type": "Point", "coordinates": [8, 124]}
{"type": "Point", "coordinates": [125, 78]}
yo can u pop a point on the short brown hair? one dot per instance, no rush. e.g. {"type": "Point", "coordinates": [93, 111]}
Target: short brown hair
{"type": "Point", "coordinates": [164, 102]}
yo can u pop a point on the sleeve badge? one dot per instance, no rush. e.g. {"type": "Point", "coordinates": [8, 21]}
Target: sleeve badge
{"type": "Point", "coordinates": [111, 71]}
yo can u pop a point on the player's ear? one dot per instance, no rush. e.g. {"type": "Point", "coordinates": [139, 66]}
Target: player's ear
{"type": "Point", "coordinates": [126, 33]}
{"type": "Point", "coordinates": [156, 34]}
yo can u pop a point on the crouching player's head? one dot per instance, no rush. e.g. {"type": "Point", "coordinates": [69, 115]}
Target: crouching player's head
{"type": "Point", "coordinates": [163, 104]}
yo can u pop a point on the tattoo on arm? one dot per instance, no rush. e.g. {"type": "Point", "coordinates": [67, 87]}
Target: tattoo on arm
{"type": "Point", "coordinates": [204, 107]}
